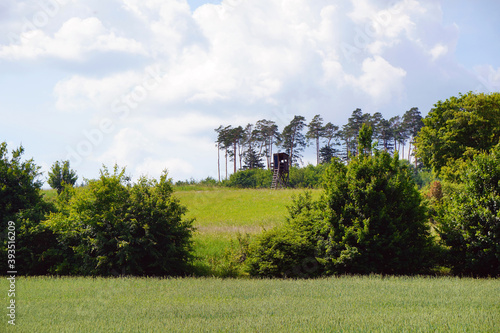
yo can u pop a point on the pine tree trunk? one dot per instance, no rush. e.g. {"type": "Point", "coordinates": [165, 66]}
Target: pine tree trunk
{"type": "Point", "coordinates": [409, 151]}
{"type": "Point", "coordinates": [317, 150]}
{"type": "Point", "coordinates": [218, 160]}
{"type": "Point", "coordinates": [234, 156]}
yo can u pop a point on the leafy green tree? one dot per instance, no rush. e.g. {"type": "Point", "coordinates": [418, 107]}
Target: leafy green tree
{"type": "Point", "coordinates": [292, 140]}
{"type": "Point", "coordinates": [375, 220]}
{"type": "Point", "coordinates": [61, 174]}
{"type": "Point", "coordinates": [470, 222]}
{"type": "Point", "coordinates": [457, 127]}
{"type": "Point", "coordinates": [315, 132]}
{"type": "Point", "coordinates": [21, 202]}
{"type": "Point", "coordinates": [365, 140]}
{"type": "Point", "coordinates": [113, 228]}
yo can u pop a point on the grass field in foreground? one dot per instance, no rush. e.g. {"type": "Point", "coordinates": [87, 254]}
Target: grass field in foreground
{"type": "Point", "coordinates": [344, 304]}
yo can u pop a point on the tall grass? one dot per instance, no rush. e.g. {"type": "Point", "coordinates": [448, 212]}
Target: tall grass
{"type": "Point", "coordinates": [343, 304]}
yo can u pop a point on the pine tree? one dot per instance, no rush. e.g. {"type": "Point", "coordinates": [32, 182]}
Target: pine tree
{"type": "Point", "coordinates": [292, 139]}
{"type": "Point", "coordinates": [60, 174]}
{"type": "Point", "coordinates": [253, 160]}
{"type": "Point", "coordinates": [315, 132]}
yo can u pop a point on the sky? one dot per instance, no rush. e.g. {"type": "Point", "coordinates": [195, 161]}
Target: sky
{"type": "Point", "coordinates": [144, 83]}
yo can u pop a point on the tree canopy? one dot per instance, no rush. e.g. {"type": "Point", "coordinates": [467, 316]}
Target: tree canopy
{"type": "Point", "coordinates": [469, 223]}
{"type": "Point", "coordinates": [457, 127]}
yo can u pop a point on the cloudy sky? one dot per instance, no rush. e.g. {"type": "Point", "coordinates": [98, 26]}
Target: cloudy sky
{"type": "Point", "coordinates": [144, 83]}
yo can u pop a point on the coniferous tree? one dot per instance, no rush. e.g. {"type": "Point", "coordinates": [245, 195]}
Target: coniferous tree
{"type": "Point", "coordinates": [331, 134]}
{"type": "Point", "coordinates": [412, 120]}
{"type": "Point", "coordinates": [292, 139]}
{"type": "Point", "coordinates": [315, 132]}
{"type": "Point", "coordinates": [60, 174]}
{"type": "Point", "coordinates": [267, 133]}
{"type": "Point", "coordinates": [253, 160]}
{"type": "Point", "coordinates": [350, 131]}
{"type": "Point", "coordinates": [386, 135]}
{"type": "Point", "coordinates": [326, 154]}
{"type": "Point", "coordinates": [224, 141]}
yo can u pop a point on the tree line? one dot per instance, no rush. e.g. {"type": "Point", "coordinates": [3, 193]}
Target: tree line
{"type": "Point", "coordinates": [252, 146]}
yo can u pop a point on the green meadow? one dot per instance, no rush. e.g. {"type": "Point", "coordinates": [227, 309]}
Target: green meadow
{"type": "Point", "coordinates": [341, 304]}
{"type": "Point", "coordinates": [214, 304]}
{"type": "Point", "coordinates": [221, 215]}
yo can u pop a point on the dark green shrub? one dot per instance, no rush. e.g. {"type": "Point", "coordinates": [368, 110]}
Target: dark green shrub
{"type": "Point", "coordinates": [113, 228]}
{"type": "Point", "coordinates": [21, 202]}
{"type": "Point", "coordinates": [470, 222]}
{"type": "Point", "coordinates": [375, 220]}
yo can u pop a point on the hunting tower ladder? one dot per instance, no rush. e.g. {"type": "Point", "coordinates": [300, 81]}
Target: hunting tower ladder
{"type": "Point", "coordinates": [281, 168]}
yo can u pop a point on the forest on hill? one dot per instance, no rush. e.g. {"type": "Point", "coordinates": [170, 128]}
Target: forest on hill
{"type": "Point", "coordinates": [252, 146]}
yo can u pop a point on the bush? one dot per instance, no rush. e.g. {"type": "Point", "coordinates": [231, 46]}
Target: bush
{"type": "Point", "coordinates": [375, 220]}
{"type": "Point", "coordinates": [252, 178]}
{"type": "Point", "coordinates": [113, 228]}
{"type": "Point", "coordinates": [308, 177]}
{"type": "Point", "coordinates": [469, 224]}
{"type": "Point", "coordinates": [289, 251]}
{"type": "Point", "coordinates": [21, 201]}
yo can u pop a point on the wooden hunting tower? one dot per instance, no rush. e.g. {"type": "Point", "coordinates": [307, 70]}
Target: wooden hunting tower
{"type": "Point", "coordinates": [281, 167]}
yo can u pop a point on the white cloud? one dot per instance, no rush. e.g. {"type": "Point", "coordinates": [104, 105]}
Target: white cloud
{"type": "Point", "coordinates": [76, 38]}
{"type": "Point", "coordinates": [380, 80]}
{"type": "Point", "coordinates": [80, 93]}
{"type": "Point", "coordinates": [438, 51]}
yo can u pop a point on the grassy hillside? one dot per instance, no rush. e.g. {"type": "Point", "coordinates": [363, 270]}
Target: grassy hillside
{"type": "Point", "coordinates": [244, 209]}
{"type": "Point", "coordinates": [222, 214]}
{"type": "Point", "coordinates": [350, 304]}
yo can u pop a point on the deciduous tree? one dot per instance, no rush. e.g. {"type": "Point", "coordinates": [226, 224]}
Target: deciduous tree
{"type": "Point", "coordinates": [470, 224]}
{"type": "Point", "coordinates": [469, 122]}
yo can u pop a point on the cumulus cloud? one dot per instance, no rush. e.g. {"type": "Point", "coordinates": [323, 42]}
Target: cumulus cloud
{"type": "Point", "coordinates": [76, 38]}
{"type": "Point", "coordinates": [380, 80]}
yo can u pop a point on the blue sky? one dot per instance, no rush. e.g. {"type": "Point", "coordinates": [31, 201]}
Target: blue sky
{"type": "Point", "coordinates": [145, 83]}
